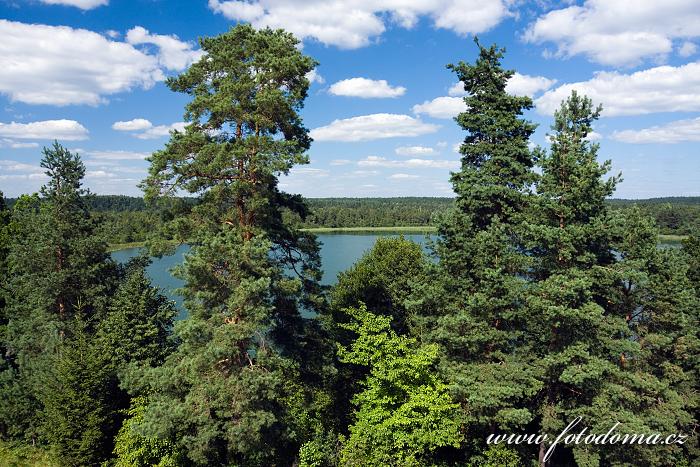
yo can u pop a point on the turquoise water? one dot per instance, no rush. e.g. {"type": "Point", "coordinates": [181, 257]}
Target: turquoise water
{"type": "Point", "coordinates": [338, 253]}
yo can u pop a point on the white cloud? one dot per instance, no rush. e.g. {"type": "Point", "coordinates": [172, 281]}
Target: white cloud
{"type": "Point", "coordinates": [117, 155]}
{"type": "Point", "coordinates": [457, 90]}
{"type": "Point", "coordinates": [15, 166]}
{"type": "Point", "coordinates": [174, 54]}
{"type": "Point", "coordinates": [356, 24]}
{"type": "Point", "coordinates": [366, 88]}
{"type": "Point", "coordinates": [160, 131]}
{"type": "Point", "coordinates": [403, 177]}
{"type": "Point", "coordinates": [340, 162]}
{"type": "Point", "coordinates": [592, 136]}
{"type": "Point", "coordinates": [526, 85]}
{"type": "Point", "coordinates": [59, 65]}
{"type": "Point", "coordinates": [372, 127]}
{"type": "Point", "coordinates": [132, 125]}
{"type": "Point", "coordinates": [66, 130]}
{"type": "Point", "coordinates": [620, 32]}
{"type": "Point", "coordinates": [309, 171]}
{"type": "Point", "coordinates": [376, 161]}
{"type": "Point", "coordinates": [315, 77]}
{"type": "Point", "coordinates": [9, 143]}
{"type": "Point", "coordinates": [518, 85]}
{"type": "Point", "coordinates": [659, 89]}
{"type": "Point", "coordinates": [82, 4]}
{"type": "Point", "coordinates": [687, 49]}
{"type": "Point", "coordinates": [143, 129]}
{"type": "Point", "coordinates": [414, 151]}
{"type": "Point", "coordinates": [673, 132]}
{"type": "Point", "coordinates": [441, 107]}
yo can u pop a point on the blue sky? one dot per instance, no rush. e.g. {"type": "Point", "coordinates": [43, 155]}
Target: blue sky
{"type": "Point", "coordinates": [90, 74]}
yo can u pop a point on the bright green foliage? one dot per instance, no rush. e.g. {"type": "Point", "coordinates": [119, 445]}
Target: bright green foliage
{"type": "Point", "coordinates": [132, 449]}
{"type": "Point", "coordinates": [497, 455]}
{"type": "Point", "coordinates": [405, 412]}
{"type": "Point", "coordinates": [77, 417]}
{"type": "Point", "coordinates": [473, 305]}
{"type": "Point", "coordinates": [243, 388]}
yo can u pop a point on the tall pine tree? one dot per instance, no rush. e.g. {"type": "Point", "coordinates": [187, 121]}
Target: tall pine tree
{"type": "Point", "coordinates": [242, 387]}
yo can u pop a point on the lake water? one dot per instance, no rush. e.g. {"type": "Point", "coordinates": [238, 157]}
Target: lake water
{"type": "Point", "coordinates": [338, 253]}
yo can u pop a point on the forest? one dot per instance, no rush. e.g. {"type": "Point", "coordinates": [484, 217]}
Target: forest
{"type": "Point", "coordinates": [547, 302]}
{"type": "Point", "coordinates": [127, 219]}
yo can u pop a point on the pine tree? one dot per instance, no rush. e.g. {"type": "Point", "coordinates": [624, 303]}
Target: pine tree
{"type": "Point", "coordinates": [242, 387]}
{"type": "Point", "coordinates": [590, 311]}
{"type": "Point", "coordinates": [473, 305]}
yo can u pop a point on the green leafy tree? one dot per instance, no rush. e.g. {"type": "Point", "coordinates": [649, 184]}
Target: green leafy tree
{"type": "Point", "coordinates": [472, 305]}
{"type": "Point", "coordinates": [246, 383]}
{"type": "Point", "coordinates": [405, 413]}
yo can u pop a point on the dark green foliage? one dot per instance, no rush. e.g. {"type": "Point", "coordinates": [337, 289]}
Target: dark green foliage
{"type": "Point", "coordinates": [77, 418]}
{"type": "Point", "coordinates": [473, 304]}
{"type": "Point", "coordinates": [138, 322]}
{"type": "Point", "coordinates": [404, 413]}
{"type": "Point", "coordinates": [244, 386]}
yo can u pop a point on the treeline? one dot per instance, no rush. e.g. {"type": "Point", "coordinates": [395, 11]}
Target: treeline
{"type": "Point", "coordinates": [125, 219]}
{"type": "Point", "coordinates": [545, 306]}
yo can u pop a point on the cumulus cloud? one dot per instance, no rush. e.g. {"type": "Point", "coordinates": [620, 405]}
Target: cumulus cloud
{"type": "Point", "coordinates": [173, 53]}
{"type": "Point", "coordinates": [66, 130]}
{"type": "Point", "coordinates": [673, 132]}
{"type": "Point", "coordinates": [82, 4]}
{"type": "Point", "coordinates": [441, 107]}
{"type": "Point", "coordinates": [621, 32]}
{"type": "Point", "coordinates": [353, 24]}
{"type": "Point", "coordinates": [59, 65]}
{"type": "Point", "coordinates": [518, 85]}
{"type": "Point", "coordinates": [366, 88]}
{"type": "Point", "coordinates": [10, 143]}
{"type": "Point", "coordinates": [414, 151]}
{"type": "Point", "coordinates": [315, 77]}
{"type": "Point", "coordinates": [687, 49]}
{"type": "Point", "coordinates": [401, 176]}
{"type": "Point", "coordinates": [144, 129]}
{"type": "Point", "coordinates": [526, 85]}
{"type": "Point", "coordinates": [376, 161]}
{"type": "Point", "coordinates": [372, 127]}
{"type": "Point", "coordinates": [132, 125]}
{"type": "Point", "coordinates": [659, 89]}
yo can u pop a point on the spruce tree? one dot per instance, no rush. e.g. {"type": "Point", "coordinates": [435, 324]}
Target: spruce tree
{"type": "Point", "coordinates": [56, 263]}
{"type": "Point", "coordinates": [242, 387]}
{"type": "Point", "coordinates": [473, 305]}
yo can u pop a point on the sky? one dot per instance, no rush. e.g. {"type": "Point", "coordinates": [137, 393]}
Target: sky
{"type": "Point", "coordinates": [90, 73]}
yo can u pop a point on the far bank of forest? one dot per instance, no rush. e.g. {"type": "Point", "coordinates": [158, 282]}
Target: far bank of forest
{"type": "Point", "coordinates": [127, 219]}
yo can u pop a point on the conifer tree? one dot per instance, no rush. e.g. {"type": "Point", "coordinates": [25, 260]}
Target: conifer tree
{"type": "Point", "coordinates": [242, 387]}
{"type": "Point", "coordinates": [474, 310]}
{"type": "Point", "coordinates": [56, 262]}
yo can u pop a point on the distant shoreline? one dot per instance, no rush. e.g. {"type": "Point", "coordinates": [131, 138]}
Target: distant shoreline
{"type": "Point", "coordinates": [413, 229]}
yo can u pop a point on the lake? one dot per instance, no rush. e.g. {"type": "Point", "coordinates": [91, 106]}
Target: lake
{"type": "Point", "coordinates": [338, 253]}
